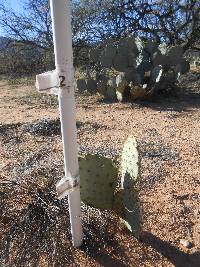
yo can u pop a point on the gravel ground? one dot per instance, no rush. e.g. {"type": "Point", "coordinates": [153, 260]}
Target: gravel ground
{"type": "Point", "coordinates": [167, 130]}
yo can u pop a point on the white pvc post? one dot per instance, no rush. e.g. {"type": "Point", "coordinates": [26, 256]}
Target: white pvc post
{"type": "Point", "coordinates": [62, 36]}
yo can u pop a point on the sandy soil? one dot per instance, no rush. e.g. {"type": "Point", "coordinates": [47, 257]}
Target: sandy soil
{"type": "Point", "coordinates": [168, 134]}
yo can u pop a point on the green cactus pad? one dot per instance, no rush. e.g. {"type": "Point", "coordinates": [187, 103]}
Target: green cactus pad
{"type": "Point", "coordinates": [183, 67]}
{"type": "Point", "coordinates": [106, 61]}
{"type": "Point", "coordinates": [162, 60]}
{"type": "Point", "coordinates": [129, 74]}
{"type": "Point", "coordinates": [91, 86]}
{"type": "Point", "coordinates": [127, 45]}
{"type": "Point", "coordinates": [120, 62]}
{"type": "Point", "coordinates": [121, 87]}
{"type": "Point", "coordinates": [156, 73]}
{"type": "Point", "coordinates": [98, 180]}
{"type": "Point", "coordinates": [102, 87]}
{"type": "Point", "coordinates": [130, 163]}
{"type": "Point", "coordinates": [162, 48]}
{"type": "Point", "coordinates": [132, 213]}
{"type": "Point", "coordinates": [137, 78]}
{"type": "Point", "coordinates": [139, 44]}
{"type": "Point", "coordinates": [126, 205]}
{"type": "Point", "coordinates": [175, 54]}
{"type": "Point", "coordinates": [111, 91]}
{"type": "Point", "coordinates": [110, 50]}
{"type": "Point", "coordinates": [95, 54]}
{"type": "Point", "coordinates": [137, 92]}
{"type": "Point", "coordinates": [151, 46]}
{"type": "Point", "coordinates": [81, 85]}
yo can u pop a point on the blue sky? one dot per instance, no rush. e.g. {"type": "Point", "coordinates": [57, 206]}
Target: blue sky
{"type": "Point", "coordinates": [15, 5]}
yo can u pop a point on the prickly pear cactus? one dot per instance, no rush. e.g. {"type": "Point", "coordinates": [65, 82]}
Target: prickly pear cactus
{"type": "Point", "coordinates": [95, 54]}
{"type": "Point", "coordinates": [151, 46]}
{"type": "Point", "coordinates": [175, 54]}
{"type": "Point", "coordinates": [98, 185]}
{"type": "Point", "coordinates": [111, 92]}
{"type": "Point", "coordinates": [121, 86]}
{"type": "Point", "coordinates": [156, 73]}
{"type": "Point", "coordinates": [120, 62]}
{"type": "Point", "coordinates": [91, 86]}
{"type": "Point", "coordinates": [81, 85]}
{"type": "Point", "coordinates": [130, 163]}
{"type": "Point", "coordinates": [144, 63]}
{"type": "Point", "coordinates": [127, 207]}
{"type": "Point", "coordinates": [98, 180]}
{"type": "Point", "coordinates": [102, 87]}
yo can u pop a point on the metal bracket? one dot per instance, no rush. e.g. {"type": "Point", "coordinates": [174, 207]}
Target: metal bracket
{"type": "Point", "coordinates": [67, 185]}
{"type": "Point", "coordinates": [49, 82]}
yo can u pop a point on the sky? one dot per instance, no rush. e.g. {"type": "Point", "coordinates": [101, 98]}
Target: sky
{"type": "Point", "coordinates": [15, 5]}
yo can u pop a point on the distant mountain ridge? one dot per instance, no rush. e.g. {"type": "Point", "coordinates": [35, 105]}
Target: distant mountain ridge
{"type": "Point", "coordinates": [3, 42]}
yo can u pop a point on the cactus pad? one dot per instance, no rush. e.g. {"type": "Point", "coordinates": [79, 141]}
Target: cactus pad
{"type": "Point", "coordinates": [111, 91]}
{"type": "Point", "coordinates": [81, 85]}
{"type": "Point", "coordinates": [130, 163]}
{"type": "Point", "coordinates": [120, 62]}
{"type": "Point", "coordinates": [132, 217]}
{"type": "Point", "coordinates": [106, 61]}
{"type": "Point", "coordinates": [102, 86]}
{"type": "Point", "coordinates": [91, 86]}
{"type": "Point", "coordinates": [175, 54]}
{"type": "Point", "coordinates": [98, 180]}
{"type": "Point", "coordinates": [121, 87]}
{"type": "Point", "coordinates": [183, 67]}
{"type": "Point", "coordinates": [151, 47]}
{"type": "Point", "coordinates": [156, 73]}
{"type": "Point", "coordinates": [127, 206]}
{"type": "Point", "coordinates": [95, 54]}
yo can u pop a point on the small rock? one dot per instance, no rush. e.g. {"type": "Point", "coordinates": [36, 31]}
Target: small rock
{"type": "Point", "coordinates": [185, 243]}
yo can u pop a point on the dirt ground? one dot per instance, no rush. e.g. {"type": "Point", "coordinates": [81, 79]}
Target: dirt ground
{"type": "Point", "coordinates": [168, 135]}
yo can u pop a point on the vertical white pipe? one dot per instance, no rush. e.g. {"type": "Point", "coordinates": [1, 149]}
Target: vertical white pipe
{"type": "Point", "coordinates": [62, 36]}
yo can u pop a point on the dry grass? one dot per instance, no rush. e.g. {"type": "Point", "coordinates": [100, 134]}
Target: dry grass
{"type": "Point", "coordinates": [36, 231]}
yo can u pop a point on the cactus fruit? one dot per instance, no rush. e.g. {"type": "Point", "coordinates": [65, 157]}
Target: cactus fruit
{"type": "Point", "coordinates": [130, 163]}
{"type": "Point", "coordinates": [156, 73]}
{"type": "Point", "coordinates": [81, 85]}
{"type": "Point", "coordinates": [98, 180]}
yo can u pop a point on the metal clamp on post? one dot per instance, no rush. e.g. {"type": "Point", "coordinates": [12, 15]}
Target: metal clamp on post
{"type": "Point", "coordinates": [48, 82]}
{"type": "Point", "coordinates": [67, 185]}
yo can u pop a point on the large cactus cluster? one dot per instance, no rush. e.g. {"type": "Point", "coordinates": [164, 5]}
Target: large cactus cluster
{"type": "Point", "coordinates": [132, 68]}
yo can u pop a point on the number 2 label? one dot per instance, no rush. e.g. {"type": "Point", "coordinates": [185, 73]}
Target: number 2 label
{"type": "Point", "coordinates": [62, 79]}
